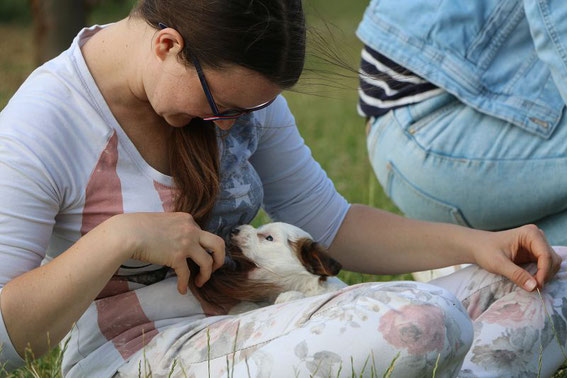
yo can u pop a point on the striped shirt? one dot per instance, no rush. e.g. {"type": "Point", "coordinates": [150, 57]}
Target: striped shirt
{"type": "Point", "coordinates": [386, 85]}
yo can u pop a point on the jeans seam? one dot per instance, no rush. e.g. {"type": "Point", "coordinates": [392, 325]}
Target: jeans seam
{"type": "Point", "coordinates": [498, 32]}
{"type": "Point", "coordinates": [377, 129]}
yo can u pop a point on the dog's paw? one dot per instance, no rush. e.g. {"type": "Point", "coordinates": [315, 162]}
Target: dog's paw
{"type": "Point", "coordinates": [289, 296]}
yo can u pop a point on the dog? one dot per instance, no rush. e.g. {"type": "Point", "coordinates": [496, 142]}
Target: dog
{"type": "Point", "coordinates": [276, 263]}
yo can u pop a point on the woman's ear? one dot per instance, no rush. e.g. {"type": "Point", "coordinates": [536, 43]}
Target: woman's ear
{"type": "Point", "coordinates": [316, 259]}
{"type": "Point", "coordinates": [167, 41]}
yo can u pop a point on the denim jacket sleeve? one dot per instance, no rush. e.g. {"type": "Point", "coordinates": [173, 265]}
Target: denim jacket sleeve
{"type": "Point", "coordinates": [548, 25]}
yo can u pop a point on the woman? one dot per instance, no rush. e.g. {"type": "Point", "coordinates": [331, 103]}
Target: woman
{"type": "Point", "coordinates": [134, 149]}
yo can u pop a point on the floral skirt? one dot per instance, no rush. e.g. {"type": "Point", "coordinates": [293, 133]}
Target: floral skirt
{"type": "Point", "coordinates": [469, 324]}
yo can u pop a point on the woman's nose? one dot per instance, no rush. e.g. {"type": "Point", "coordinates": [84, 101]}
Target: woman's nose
{"type": "Point", "coordinates": [224, 124]}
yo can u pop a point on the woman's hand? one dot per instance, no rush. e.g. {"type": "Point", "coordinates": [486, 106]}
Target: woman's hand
{"type": "Point", "coordinates": [500, 252]}
{"type": "Point", "coordinates": [169, 239]}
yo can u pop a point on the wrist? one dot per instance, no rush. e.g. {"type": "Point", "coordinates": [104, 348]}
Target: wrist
{"type": "Point", "coordinates": [475, 241]}
{"type": "Point", "coordinates": [118, 230]}
{"type": "Point", "coordinates": [460, 243]}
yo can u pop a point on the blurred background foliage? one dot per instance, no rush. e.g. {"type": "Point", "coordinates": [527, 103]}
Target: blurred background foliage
{"type": "Point", "coordinates": [15, 11]}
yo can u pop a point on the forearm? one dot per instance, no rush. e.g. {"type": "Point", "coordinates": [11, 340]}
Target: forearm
{"type": "Point", "coordinates": [44, 303]}
{"type": "Point", "coordinates": [378, 242]}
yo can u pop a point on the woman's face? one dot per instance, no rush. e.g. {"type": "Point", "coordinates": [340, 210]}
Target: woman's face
{"type": "Point", "coordinates": [176, 93]}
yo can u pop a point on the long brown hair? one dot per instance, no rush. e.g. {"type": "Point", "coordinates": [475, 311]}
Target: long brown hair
{"type": "Point", "coordinates": [265, 36]}
{"type": "Point", "coordinates": [231, 284]}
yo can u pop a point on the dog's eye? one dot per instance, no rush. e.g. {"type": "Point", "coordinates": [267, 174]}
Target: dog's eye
{"type": "Point", "coordinates": [269, 238]}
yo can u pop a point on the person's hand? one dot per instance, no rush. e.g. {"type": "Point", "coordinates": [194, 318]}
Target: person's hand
{"type": "Point", "coordinates": [169, 239]}
{"type": "Point", "coordinates": [500, 252]}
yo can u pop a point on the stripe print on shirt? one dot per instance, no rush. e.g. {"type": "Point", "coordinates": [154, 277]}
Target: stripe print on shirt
{"type": "Point", "coordinates": [385, 85]}
{"type": "Point", "coordinates": [120, 317]}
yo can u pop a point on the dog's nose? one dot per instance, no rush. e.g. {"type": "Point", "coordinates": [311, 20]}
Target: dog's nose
{"type": "Point", "coordinates": [234, 231]}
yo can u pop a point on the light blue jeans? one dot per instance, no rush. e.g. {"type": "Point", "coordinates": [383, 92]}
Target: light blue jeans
{"type": "Point", "coordinates": [441, 160]}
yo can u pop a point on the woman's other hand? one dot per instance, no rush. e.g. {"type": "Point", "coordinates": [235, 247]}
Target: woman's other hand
{"type": "Point", "coordinates": [501, 252]}
{"type": "Point", "coordinates": [169, 239]}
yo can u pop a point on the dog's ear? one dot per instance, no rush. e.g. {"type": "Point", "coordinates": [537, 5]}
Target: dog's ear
{"type": "Point", "coordinates": [316, 259]}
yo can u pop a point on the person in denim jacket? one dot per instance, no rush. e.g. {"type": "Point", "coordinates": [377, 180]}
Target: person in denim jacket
{"type": "Point", "coordinates": [487, 150]}
{"type": "Point", "coordinates": [465, 106]}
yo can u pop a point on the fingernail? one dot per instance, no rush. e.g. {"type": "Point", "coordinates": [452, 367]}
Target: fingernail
{"type": "Point", "coordinates": [531, 284]}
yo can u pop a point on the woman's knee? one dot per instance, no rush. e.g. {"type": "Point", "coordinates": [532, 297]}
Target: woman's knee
{"type": "Point", "coordinates": [427, 325]}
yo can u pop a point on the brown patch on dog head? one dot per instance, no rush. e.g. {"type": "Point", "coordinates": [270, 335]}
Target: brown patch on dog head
{"type": "Point", "coordinates": [315, 258]}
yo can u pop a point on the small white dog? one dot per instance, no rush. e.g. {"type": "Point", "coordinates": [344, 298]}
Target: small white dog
{"type": "Point", "coordinates": [275, 263]}
{"type": "Point", "coordinates": [288, 257]}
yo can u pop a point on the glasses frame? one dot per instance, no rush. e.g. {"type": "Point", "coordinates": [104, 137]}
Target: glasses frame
{"type": "Point", "coordinates": [227, 114]}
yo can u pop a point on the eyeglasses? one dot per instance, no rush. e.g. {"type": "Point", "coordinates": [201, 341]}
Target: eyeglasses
{"type": "Point", "coordinates": [227, 114]}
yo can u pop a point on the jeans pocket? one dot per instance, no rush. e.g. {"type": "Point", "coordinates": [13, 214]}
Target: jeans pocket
{"type": "Point", "coordinates": [415, 203]}
{"type": "Point", "coordinates": [425, 113]}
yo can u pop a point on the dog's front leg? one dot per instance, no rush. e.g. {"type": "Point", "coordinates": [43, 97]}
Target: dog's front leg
{"type": "Point", "coordinates": [288, 296]}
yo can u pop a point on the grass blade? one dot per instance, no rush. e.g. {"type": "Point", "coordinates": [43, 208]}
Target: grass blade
{"type": "Point", "coordinates": [390, 370]}
{"type": "Point", "coordinates": [539, 360]}
{"type": "Point", "coordinates": [247, 366]}
{"type": "Point", "coordinates": [436, 365]}
{"type": "Point", "coordinates": [552, 325]}
{"type": "Point", "coordinates": [172, 368]}
{"type": "Point", "coordinates": [364, 366]}
{"type": "Point", "coordinates": [209, 352]}
{"type": "Point", "coordinates": [234, 347]}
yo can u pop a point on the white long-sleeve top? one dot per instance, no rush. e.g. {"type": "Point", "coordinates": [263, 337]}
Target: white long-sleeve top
{"type": "Point", "coordinates": [66, 165]}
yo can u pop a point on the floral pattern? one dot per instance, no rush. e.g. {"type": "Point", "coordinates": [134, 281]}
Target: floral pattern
{"type": "Point", "coordinates": [513, 328]}
{"type": "Point", "coordinates": [365, 328]}
{"type": "Point", "coordinates": [418, 328]}
{"type": "Point", "coordinates": [361, 327]}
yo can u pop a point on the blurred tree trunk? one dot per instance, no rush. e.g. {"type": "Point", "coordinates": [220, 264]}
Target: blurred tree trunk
{"type": "Point", "coordinates": [56, 23]}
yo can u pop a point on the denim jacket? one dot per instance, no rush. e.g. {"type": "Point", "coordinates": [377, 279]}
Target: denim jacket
{"type": "Point", "coordinates": [506, 58]}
